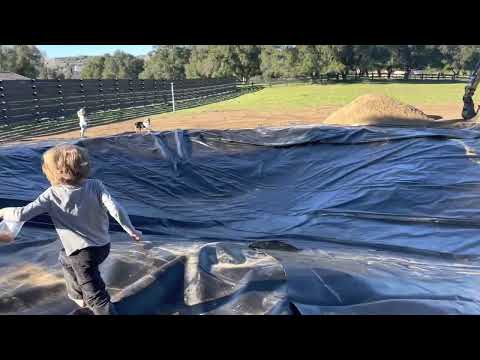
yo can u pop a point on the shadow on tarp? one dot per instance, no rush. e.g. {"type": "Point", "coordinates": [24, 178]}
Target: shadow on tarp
{"type": "Point", "coordinates": [309, 220]}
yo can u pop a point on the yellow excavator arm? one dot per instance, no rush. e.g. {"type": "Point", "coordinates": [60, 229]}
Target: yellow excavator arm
{"type": "Point", "coordinates": [468, 111]}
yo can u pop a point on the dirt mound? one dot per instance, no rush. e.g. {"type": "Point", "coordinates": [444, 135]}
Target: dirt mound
{"type": "Point", "coordinates": [371, 109]}
{"type": "Point", "coordinates": [29, 285]}
{"type": "Point", "coordinates": [32, 275]}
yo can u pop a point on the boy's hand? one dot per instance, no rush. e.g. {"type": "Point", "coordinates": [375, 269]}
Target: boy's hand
{"type": "Point", "coordinates": [136, 235]}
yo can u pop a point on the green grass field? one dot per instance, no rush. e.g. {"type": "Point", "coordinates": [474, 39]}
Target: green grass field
{"type": "Point", "coordinates": [296, 97]}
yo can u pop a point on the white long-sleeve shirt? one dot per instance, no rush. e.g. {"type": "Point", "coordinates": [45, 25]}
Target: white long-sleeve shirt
{"type": "Point", "coordinates": [82, 118]}
{"type": "Point", "coordinates": [79, 213]}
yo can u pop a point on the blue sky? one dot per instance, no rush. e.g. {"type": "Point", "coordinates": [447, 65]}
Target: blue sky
{"type": "Point", "coordinates": [75, 50]}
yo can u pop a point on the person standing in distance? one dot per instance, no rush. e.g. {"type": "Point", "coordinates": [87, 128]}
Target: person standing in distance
{"type": "Point", "coordinates": [82, 121]}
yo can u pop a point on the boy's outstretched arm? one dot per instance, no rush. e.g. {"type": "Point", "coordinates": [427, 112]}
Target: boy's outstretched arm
{"type": "Point", "coordinates": [21, 214]}
{"type": "Point", "coordinates": [119, 214]}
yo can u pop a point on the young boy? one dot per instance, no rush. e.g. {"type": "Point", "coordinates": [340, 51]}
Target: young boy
{"type": "Point", "coordinates": [83, 123]}
{"type": "Point", "coordinates": [79, 209]}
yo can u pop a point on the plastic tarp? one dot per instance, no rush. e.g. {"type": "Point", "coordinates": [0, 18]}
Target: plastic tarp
{"type": "Point", "coordinates": [301, 220]}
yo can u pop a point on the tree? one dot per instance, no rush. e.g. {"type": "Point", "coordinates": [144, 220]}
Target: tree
{"type": "Point", "coordinates": [25, 60]}
{"type": "Point", "coordinates": [219, 61]}
{"type": "Point", "coordinates": [271, 58]}
{"type": "Point", "coordinates": [67, 72]}
{"type": "Point", "coordinates": [450, 58]}
{"type": "Point", "coordinates": [28, 60]}
{"type": "Point", "coordinates": [7, 58]}
{"type": "Point", "coordinates": [245, 61]}
{"type": "Point", "coordinates": [409, 57]}
{"type": "Point", "coordinates": [240, 61]}
{"type": "Point", "coordinates": [278, 61]}
{"type": "Point", "coordinates": [210, 62]}
{"type": "Point", "coordinates": [342, 58]}
{"type": "Point", "coordinates": [290, 61]}
{"type": "Point", "coordinates": [309, 64]}
{"type": "Point", "coordinates": [198, 65]}
{"type": "Point", "coordinates": [50, 73]}
{"type": "Point", "coordinates": [314, 60]}
{"type": "Point", "coordinates": [431, 57]}
{"type": "Point", "coordinates": [122, 66]}
{"type": "Point", "coordinates": [370, 58]}
{"type": "Point", "coordinates": [94, 68]}
{"type": "Point", "coordinates": [468, 57]}
{"type": "Point", "coordinates": [379, 55]}
{"type": "Point", "coordinates": [166, 63]}
{"type": "Point", "coordinates": [111, 68]}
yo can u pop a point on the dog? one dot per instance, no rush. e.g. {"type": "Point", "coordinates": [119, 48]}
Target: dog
{"type": "Point", "coordinates": [141, 125]}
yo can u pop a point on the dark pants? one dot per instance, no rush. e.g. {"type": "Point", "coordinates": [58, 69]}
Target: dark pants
{"type": "Point", "coordinates": [83, 278]}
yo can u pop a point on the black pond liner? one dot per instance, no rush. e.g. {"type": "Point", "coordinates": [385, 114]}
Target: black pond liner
{"type": "Point", "coordinates": [300, 220]}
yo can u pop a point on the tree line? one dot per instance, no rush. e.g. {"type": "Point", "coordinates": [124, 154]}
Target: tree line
{"type": "Point", "coordinates": [172, 62]}
{"type": "Point", "coordinates": [243, 62]}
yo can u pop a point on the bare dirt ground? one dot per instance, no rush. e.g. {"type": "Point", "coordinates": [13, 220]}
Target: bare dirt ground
{"type": "Point", "coordinates": [241, 119]}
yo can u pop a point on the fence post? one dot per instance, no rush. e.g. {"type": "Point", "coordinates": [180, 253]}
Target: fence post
{"type": "Point", "coordinates": [36, 106]}
{"type": "Point", "coordinates": [131, 93]}
{"type": "Point", "coordinates": [82, 91]}
{"type": "Point", "coordinates": [155, 93]}
{"type": "Point", "coordinates": [60, 100]}
{"type": "Point", "coordinates": [118, 105]}
{"type": "Point", "coordinates": [3, 102]}
{"type": "Point", "coordinates": [142, 89]}
{"type": "Point", "coordinates": [173, 96]}
{"type": "Point", "coordinates": [101, 95]}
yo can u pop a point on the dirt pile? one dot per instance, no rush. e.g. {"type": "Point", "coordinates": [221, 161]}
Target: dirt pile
{"type": "Point", "coordinates": [31, 275]}
{"type": "Point", "coordinates": [29, 285]}
{"type": "Point", "coordinates": [371, 109]}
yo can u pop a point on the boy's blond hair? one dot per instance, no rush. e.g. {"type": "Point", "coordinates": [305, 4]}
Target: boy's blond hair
{"type": "Point", "coordinates": [66, 164]}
